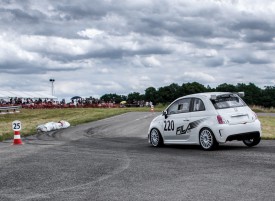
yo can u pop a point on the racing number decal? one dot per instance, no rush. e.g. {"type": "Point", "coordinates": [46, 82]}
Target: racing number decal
{"type": "Point", "coordinates": [16, 125]}
{"type": "Point", "coordinates": [169, 125]}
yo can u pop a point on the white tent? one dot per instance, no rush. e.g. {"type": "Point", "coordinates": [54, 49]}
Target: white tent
{"type": "Point", "coordinates": [25, 94]}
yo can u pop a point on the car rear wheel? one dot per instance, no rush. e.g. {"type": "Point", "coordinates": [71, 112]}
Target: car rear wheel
{"type": "Point", "coordinates": [155, 138]}
{"type": "Point", "coordinates": [252, 142]}
{"type": "Point", "coordinates": [207, 139]}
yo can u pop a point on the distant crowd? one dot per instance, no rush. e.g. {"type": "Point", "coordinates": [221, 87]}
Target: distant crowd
{"type": "Point", "coordinates": [80, 103]}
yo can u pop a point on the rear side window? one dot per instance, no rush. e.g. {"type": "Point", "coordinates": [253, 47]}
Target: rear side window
{"type": "Point", "coordinates": [198, 105]}
{"type": "Point", "coordinates": [228, 101]}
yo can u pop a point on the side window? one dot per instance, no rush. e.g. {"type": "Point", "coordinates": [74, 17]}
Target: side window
{"type": "Point", "coordinates": [173, 109]}
{"type": "Point", "coordinates": [180, 106]}
{"type": "Point", "coordinates": [198, 105]}
{"type": "Point", "coordinates": [184, 105]}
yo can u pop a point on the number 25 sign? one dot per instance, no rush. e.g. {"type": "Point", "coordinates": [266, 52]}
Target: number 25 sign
{"type": "Point", "coordinates": [16, 125]}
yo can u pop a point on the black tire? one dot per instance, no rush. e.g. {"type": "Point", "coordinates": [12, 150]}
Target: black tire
{"type": "Point", "coordinates": [207, 140]}
{"type": "Point", "coordinates": [252, 142]}
{"type": "Point", "coordinates": [156, 138]}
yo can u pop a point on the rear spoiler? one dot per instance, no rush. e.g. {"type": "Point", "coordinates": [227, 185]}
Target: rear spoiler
{"type": "Point", "coordinates": [214, 97]}
{"type": "Point", "coordinates": [241, 94]}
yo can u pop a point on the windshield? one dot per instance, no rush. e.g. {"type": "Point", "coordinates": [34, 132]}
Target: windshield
{"type": "Point", "coordinates": [228, 101]}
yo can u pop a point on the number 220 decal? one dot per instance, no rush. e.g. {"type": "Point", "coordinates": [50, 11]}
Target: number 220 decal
{"type": "Point", "coordinates": [169, 125]}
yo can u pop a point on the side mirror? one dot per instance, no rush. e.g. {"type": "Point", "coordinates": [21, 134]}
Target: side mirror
{"type": "Point", "coordinates": [165, 114]}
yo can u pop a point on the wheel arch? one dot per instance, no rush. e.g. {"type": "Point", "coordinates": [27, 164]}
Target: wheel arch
{"type": "Point", "coordinates": [160, 141]}
{"type": "Point", "coordinates": [208, 144]}
{"type": "Point", "coordinates": [207, 127]}
{"type": "Point", "coordinates": [155, 127]}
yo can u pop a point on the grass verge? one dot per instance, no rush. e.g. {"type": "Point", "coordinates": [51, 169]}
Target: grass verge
{"type": "Point", "coordinates": [262, 109]}
{"type": "Point", "coordinates": [268, 127]}
{"type": "Point", "coordinates": [30, 119]}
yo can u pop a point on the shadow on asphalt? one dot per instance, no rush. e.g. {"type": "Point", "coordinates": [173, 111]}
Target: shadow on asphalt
{"type": "Point", "coordinates": [138, 143]}
{"type": "Point", "coordinates": [197, 147]}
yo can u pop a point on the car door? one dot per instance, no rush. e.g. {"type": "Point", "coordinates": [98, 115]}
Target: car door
{"type": "Point", "coordinates": [198, 115]}
{"type": "Point", "coordinates": [175, 125]}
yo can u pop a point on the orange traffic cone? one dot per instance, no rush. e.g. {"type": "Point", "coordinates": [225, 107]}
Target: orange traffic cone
{"type": "Point", "coordinates": [17, 138]}
{"type": "Point", "coordinates": [152, 108]}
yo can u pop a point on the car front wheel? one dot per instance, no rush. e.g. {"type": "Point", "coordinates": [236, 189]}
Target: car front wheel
{"type": "Point", "coordinates": [252, 142]}
{"type": "Point", "coordinates": [207, 139]}
{"type": "Point", "coordinates": [155, 138]}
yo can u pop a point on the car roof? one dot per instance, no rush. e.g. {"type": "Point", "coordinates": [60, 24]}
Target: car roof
{"type": "Point", "coordinates": [206, 94]}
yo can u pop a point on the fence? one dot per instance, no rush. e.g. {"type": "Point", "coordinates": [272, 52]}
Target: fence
{"type": "Point", "coordinates": [9, 109]}
{"type": "Point", "coordinates": [54, 106]}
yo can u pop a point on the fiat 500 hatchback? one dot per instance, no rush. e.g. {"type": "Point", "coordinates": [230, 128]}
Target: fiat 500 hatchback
{"type": "Point", "coordinates": [206, 119]}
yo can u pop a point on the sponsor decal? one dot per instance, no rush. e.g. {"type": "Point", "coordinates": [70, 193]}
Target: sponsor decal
{"type": "Point", "coordinates": [182, 131]}
{"type": "Point", "coordinates": [194, 124]}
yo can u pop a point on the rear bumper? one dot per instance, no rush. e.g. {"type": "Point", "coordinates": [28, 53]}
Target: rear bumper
{"type": "Point", "coordinates": [226, 132]}
{"type": "Point", "coordinates": [244, 136]}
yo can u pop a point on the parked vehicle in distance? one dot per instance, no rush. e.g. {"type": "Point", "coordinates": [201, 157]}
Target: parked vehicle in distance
{"type": "Point", "coordinates": [206, 119]}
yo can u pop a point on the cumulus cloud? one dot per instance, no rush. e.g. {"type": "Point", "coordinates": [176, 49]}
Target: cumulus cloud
{"type": "Point", "coordinates": [116, 46]}
{"type": "Point", "coordinates": [90, 33]}
{"type": "Point", "coordinates": [202, 77]}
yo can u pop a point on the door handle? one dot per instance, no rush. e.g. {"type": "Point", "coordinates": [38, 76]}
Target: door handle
{"type": "Point", "coordinates": [186, 120]}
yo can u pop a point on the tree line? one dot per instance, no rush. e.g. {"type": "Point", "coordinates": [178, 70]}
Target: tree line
{"type": "Point", "coordinates": [163, 95]}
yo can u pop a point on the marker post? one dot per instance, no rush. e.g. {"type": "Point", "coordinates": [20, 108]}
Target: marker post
{"type": "Point", "coordinates": [16, 126]}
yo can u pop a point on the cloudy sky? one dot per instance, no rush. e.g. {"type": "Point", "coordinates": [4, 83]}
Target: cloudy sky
{"type": "Point", "coordinates": [94, 47]}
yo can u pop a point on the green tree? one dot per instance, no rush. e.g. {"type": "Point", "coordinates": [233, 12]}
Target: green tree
{"type": "Point", "coordinates": [135, 96]}
{"type": "Point", "coordinates": [192, 88]}
{"type": "Point", "coordinates": [268, 96]}
{"type": "Point", "coordinates": [253, 93]}
{"type": "Point", "coordinates": [113, 98]}
{"type": "Point", "coordinates": [164, 95]}
{"type": "Point", "coordinates": [175, 91]}
{"type": "Point", "coordinates": [169, 93]}
{"type": "Point", "coordinates": [151, 94]}
{"type": "Point", "coordinates": [226, 88]}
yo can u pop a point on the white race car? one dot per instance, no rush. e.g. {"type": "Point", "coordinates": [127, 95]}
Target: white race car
{"type": "Point", "coordinates": [206, 119]}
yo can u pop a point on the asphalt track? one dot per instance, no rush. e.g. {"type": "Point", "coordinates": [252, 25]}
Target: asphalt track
{"type": "Point", "coordinates": [111, 160]}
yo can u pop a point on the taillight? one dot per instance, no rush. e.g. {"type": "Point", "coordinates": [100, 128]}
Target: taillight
{"type": "Point", "coordinates": [219, 118]}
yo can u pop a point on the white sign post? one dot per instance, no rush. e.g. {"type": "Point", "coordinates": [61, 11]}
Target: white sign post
{"type": "Point", "coordinates": [16, 125]}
